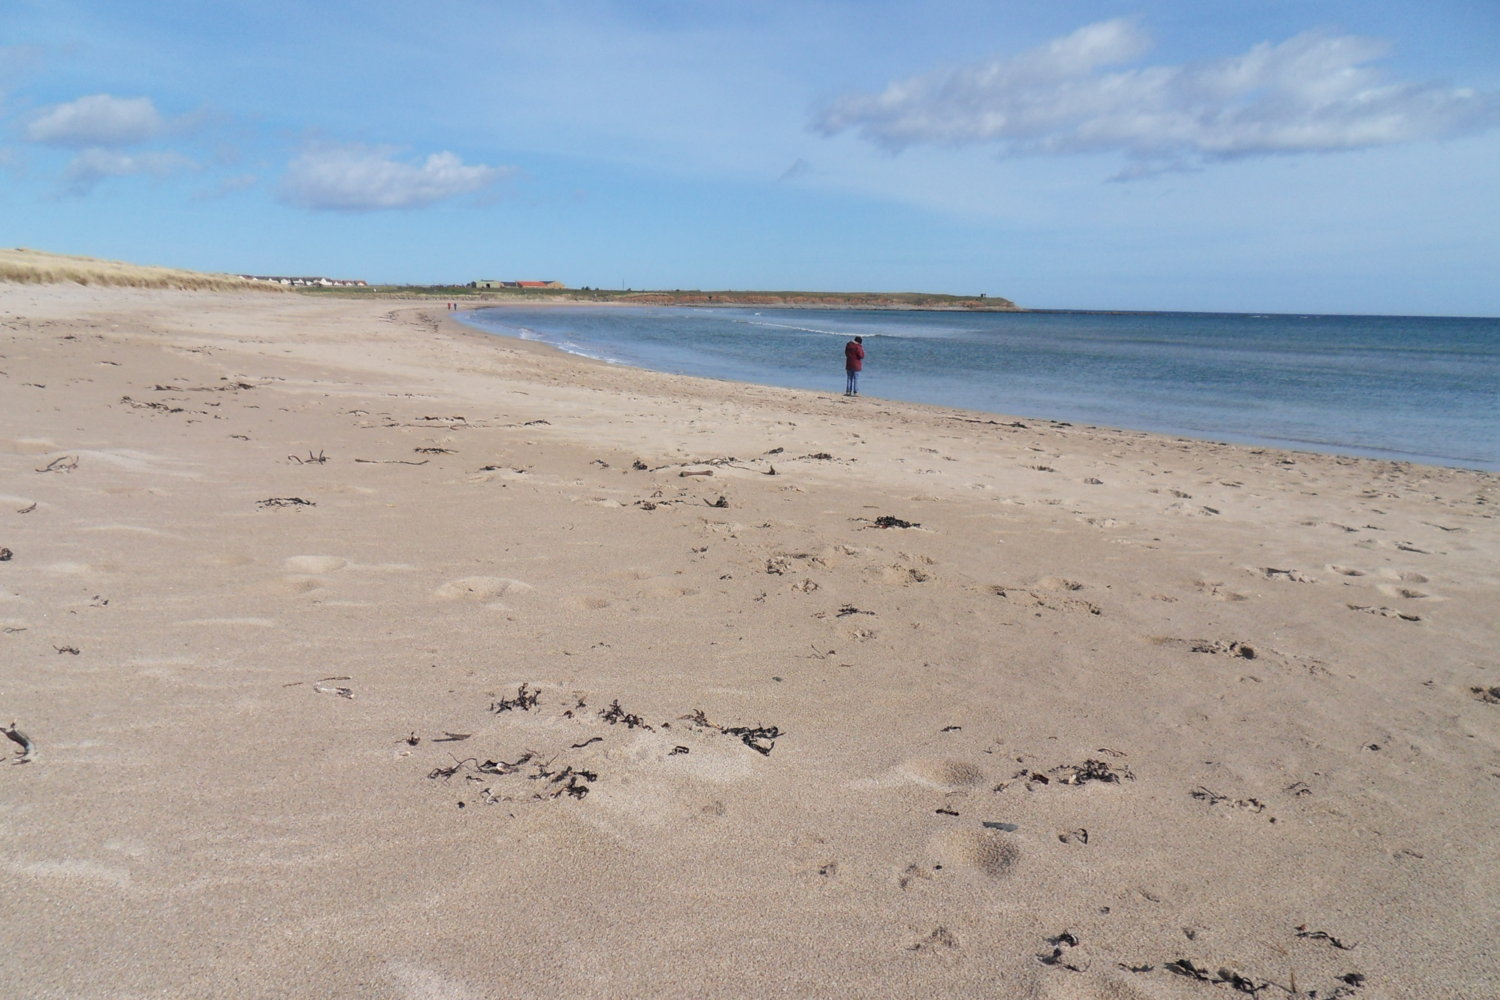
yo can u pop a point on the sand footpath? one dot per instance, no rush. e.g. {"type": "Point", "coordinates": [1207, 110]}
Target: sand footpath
{"type": "Point", "coordinates": [362, 654]}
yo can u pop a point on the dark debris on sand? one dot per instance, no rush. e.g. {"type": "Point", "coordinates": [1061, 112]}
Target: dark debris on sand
{"type": "Point", "coordinates": [1073, 774]}
{"type": "Point", "coordinates": [761, 739]}
{"type": "Point", "coordinates": [525, 700]}
{"type": "Point", "coordinates": [284, 502]}
{"type": "Point", "coordinates": [615, 715]}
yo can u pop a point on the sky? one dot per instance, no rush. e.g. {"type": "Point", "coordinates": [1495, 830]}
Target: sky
{"type": "Point", "coordinates": [1315, 156]}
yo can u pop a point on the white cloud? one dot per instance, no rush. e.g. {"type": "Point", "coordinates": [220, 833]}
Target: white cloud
{"type": "Point", "coordinates": [1310, 93]}
{"type": "Point", "coordinates": [93, 165]}
{"type": "Point", "coordinates": [359, 178]}
{"type": "Point", "coordinates": [99, 120]}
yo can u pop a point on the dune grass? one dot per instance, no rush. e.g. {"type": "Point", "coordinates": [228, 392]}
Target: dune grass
{"type": "Point", "coordinates": [38, 267]}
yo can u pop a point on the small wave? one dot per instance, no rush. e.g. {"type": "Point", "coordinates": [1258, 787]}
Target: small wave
{"type": "Point", "coordinates": [568, 347]}
{"type": "Point", "coordinates": [804, 329]}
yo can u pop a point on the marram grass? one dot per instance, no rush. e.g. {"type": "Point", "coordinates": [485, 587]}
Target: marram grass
{"type": "Point", "coordinates": [37, 267]}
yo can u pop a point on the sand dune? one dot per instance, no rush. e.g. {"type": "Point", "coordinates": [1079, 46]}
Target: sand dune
{"type": "Point", "coordinates": [21, 265]}
{"type": "Point", "coordinates": [367, 655]}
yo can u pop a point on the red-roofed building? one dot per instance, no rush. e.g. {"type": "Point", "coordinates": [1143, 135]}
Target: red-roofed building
{"type": "Point", "coordinates": [488, 283]}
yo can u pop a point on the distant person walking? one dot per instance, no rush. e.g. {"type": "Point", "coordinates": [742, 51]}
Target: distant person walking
{"type": "Point", "coordinates": [854, 363]}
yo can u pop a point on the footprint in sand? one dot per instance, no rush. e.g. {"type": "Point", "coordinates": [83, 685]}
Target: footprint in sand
{"type": "Point", "coordinates": [1293, 575]}
{"type": "Point", "coordinates": [1386, 612]}
{"type": "Point", "coordinates": [584, 602]}
{"type": "Point", "coordinates": [27, 446]}
{"type": "Point", "coordinates": [314, 564]}
{"type": "Point", "coordinates": [480, 589]}
{"type": "Point", "coordinates": [294, 583]}
{"type": "Point", "coordinates": [945, 774]}
{"type": "Point", "coordinates": [1243, 650]}
{"type": "Point", "coordinates": [985, 852]}
{"type": "Point", "coordinates": [1391, 574]}
{"type": "Point", "coordinates": [902, 574]}
{"type": "Point", "coordinates": [218, 622]}
{"type": "Point", "coordinates": [942, 774]}
{"type": "Point", "coordinates": [1215, 589]}
{"type": "Point", "coordinates": [226, 559]}
{"type": "Point", "coordinates": [77, 568]}
{"type": "Point", "coordinates": [1054, 599]}
{"type": "Point", "coordinates": [1345, 570]}
{"type": "Point", "coordinates": [669, 590]}
{"type": "Point", "coordinates": [1396, 590]}
{"type": "Point", "coordinates": [939, 939]}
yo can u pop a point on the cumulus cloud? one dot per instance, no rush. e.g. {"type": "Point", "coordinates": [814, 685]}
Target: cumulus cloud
{"type": "Point", "coordinates": [1084, 94]}
{"type": "Point", "coordinates": [99, 120]}
{"type": "Point", "coordinates": [361, 179]}
{"type": "Point", "coordinates": [93, 165]}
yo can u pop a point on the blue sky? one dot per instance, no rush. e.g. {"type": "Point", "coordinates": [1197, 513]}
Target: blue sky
{"type": "Point", "coordinates": [1239, 155]}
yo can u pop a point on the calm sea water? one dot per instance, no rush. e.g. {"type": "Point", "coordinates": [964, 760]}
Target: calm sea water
{"type": "Point", "coordinates": [1407, 388]}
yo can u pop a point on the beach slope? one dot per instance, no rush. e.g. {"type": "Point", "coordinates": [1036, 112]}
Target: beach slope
{"type": "Point", "coordinates": [352, 652]}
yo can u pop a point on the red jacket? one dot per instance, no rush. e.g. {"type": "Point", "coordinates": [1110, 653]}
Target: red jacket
{"type": "Point", "coordinates": [854, 356]}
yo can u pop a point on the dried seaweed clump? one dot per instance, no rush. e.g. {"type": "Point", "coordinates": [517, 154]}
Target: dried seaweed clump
{"type": "Point", "coordinates": [761, 739]}
{"type": "Point", "coordinates": [615, 715]}
{"type": "Point", "coordinates": [525, 700]}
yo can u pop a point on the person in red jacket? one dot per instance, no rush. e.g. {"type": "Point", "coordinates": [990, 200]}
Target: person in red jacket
{"type": "Point", "coordinates": [854, 362]}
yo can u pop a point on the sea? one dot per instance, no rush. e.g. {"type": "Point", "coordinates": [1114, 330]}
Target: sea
{"type": "Point", "coordinates": [1403, 388]}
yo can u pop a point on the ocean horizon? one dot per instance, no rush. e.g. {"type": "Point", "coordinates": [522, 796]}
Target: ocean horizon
{"type": "Point", "coordinates": [1401, 388]}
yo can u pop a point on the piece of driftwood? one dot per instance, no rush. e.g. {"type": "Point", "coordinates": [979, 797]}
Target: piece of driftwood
{"type": "Point", "coordinates": [325, 686]}
{"type": "Point", "coordinates": [28, 748]}
{"type": "Point", "coordinates": [66, 463]}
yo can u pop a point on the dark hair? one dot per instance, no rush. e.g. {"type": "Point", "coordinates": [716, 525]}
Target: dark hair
{"type": "Point", "coordinates": [859, 340]}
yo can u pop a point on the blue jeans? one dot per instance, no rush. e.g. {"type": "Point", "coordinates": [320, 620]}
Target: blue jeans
{"type": "Point", "coordinates": [851, 387]}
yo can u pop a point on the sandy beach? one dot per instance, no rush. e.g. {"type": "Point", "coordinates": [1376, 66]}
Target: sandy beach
{"type": "Point", "coordinates": [361, 654]}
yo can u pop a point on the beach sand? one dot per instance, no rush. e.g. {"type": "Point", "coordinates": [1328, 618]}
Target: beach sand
{"type": "Point", "coordinates": [366, 655]}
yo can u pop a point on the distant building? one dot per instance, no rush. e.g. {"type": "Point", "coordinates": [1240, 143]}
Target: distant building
{"type": "Point", "coordinates": [491, 283]}
{"type": "Point", "coordinates": [305, 281]}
